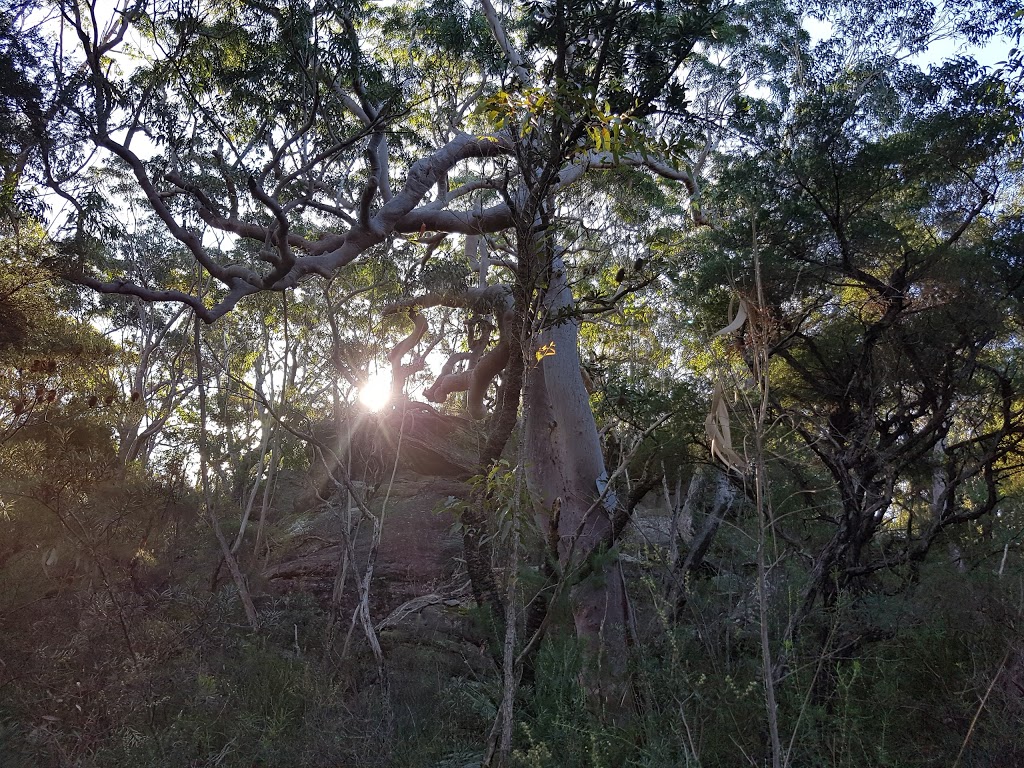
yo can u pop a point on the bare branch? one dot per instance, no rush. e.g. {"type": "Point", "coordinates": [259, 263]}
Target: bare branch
{"type": "Point", "coordinates": [287, 258]}
{"type": "Point", "coordinates": [239, 290]}
{"type": "Point", "coordinates": [486, 300]}
{"type": "Point", "coordinates": [400, 372]}
{"type": "Point", "coordinates": [511, 54]}
{"type": "Point", "coordinates": [595, 160]}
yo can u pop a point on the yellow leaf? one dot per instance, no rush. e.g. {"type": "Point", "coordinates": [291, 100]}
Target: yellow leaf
{"type": "Point", "coordinates": [546, 351]}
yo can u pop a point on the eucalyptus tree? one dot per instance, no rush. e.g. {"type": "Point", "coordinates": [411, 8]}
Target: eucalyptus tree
{"type": "Point", "coordinates": [310, 137]}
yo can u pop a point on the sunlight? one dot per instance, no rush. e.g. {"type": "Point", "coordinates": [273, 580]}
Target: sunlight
{"type": "Point", "coordinates": [376, 392]}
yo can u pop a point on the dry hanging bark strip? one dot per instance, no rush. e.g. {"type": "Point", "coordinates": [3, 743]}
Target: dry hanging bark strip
{"type": "Point", "coordinates": [716, 425]}
{"type": "Point", "coordinates": [737, 322]}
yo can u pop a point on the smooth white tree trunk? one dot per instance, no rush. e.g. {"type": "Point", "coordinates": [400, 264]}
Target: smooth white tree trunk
{"type": "Point", "coordinates": [566, 476]}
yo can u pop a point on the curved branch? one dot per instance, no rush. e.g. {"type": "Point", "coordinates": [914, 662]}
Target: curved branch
{"type": "Point", "coordinates": [287, 258]}
{"type": "Point", "coordinates": [402, 348]}
{"type": "Point", "coordinates": [485, 371]}
{"type": "Point", "coordinates": [239, 290]}
{"type": "Point", "coordinates": [324, 256]}
{"type": "Point", "coordinates": [447, 381]}
{"type": "Point", "coordinates": [373, 152]}
{"type": "Point", "coordinates": [493, 219]}
{"type": "Point", "coordinates": [486, 300]}
{"type": "Point", "coordinates": [461, 191]}
{"type": "Point", "coordinates": [399, 214]}
{"type": "Point", "coordinates": [189, 239]}
{"type": "Point", "coordinates": [426, 171]}
{"type": "Point", "coordinates": [478, 334]}
{"type": "Point", "coordinates": [481, 371]}
{"type": "Point", "coordinates": [595, 160]}
{"type": "Point", "coordinates": [492, 299]}
{"type": "Point", "coordinates": [399, 372]}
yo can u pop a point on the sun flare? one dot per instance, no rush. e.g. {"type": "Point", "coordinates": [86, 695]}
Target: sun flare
{"type": "Point", "coordinates": [376, 392]}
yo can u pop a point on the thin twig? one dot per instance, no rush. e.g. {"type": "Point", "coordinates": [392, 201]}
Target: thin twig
{"type": "Point", "coordinates": [981, 706]}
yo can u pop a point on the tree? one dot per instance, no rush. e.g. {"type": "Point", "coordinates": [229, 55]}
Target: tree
{"type": "Point", "coordinates": [877, 225]}
{"type": "Point", "coordinates": [21, 117]}
{"type": "Point", "coordinates": [356, 141]}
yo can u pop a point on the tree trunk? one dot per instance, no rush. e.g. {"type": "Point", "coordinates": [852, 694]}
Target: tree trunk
{"type": "Point", "coordinates": [566, 476]}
